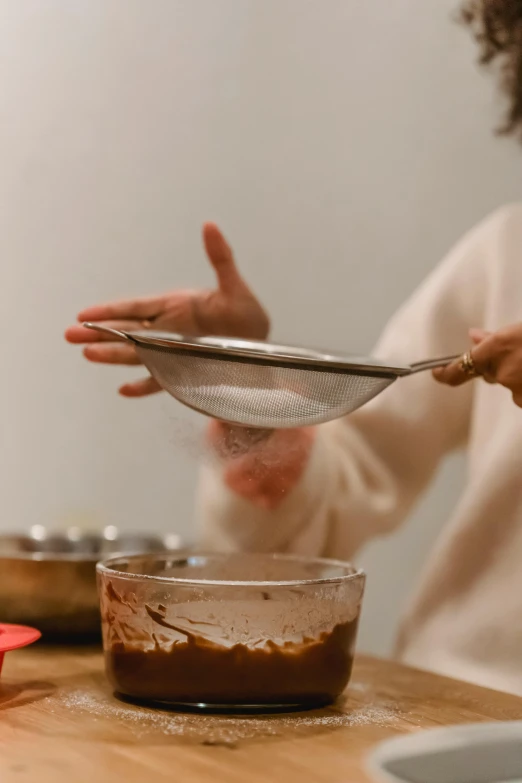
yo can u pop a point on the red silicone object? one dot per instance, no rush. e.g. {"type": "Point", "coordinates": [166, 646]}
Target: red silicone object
{"type": "Point", "coordinates": [14, 636]}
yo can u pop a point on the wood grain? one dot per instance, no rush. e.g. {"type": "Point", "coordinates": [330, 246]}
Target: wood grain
{"type": "Point", "coordinates": [59, 722]}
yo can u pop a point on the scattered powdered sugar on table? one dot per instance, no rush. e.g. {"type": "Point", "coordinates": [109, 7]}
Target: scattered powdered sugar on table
{"type": "Point", "coordinates": [225, 730]}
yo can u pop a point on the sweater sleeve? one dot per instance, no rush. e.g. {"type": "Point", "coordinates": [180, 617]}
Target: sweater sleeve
{"type": "Point", "coordinates": [366, 471]}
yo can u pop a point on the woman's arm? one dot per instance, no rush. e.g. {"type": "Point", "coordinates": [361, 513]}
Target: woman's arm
{"type": "Point", "coordinates": [328, 490]}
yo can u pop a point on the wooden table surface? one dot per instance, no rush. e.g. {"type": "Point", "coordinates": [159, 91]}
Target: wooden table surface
{"type": "Point", "coordinates": [60, 722]}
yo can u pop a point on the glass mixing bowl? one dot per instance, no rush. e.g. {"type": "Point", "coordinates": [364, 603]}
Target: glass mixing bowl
{"type": "Point", "coordinates": [229, 631]}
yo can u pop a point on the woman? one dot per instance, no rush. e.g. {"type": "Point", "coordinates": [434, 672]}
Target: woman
{"type": "Point", "coordinates": [328, 490]}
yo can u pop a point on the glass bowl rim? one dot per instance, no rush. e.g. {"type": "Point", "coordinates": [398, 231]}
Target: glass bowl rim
{"type": "Point", "coordinates": [105, 568]}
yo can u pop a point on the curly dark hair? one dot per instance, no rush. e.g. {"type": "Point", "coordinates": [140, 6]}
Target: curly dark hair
{"type": "Point", "coordinates": [497, 26]}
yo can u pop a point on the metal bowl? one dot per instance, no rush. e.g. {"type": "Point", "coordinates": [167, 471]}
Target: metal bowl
{"type": "Point", "coordinates": [48, 579]}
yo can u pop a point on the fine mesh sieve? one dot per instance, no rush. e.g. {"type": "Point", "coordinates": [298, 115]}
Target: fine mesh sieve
{"type": "Point", "coordinates": [259, 384]}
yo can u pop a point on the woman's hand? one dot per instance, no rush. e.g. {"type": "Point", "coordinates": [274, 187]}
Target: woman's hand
{"type": "Point", "coordinates": [230, 310]}
{"type": "Point", "coordinates": [496, 357]}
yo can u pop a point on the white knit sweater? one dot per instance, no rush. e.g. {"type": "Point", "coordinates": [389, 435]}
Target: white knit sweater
{"type": "Point", "coordinates": [366, 471]}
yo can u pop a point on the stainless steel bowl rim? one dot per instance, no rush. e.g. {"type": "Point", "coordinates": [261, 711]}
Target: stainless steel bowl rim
{"type": "Point", "coordinates": [53, 556]}
{"type": "Point", "coordinates": [68, 557]}
{"type": "Point", "coordinates": [106, 567]}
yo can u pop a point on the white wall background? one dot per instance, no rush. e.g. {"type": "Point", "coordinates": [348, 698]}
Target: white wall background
{"type": "Point", "coordinates": [342, 145]}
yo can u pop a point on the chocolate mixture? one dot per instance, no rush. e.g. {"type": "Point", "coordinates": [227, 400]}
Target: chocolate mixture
{"type": "Point", "coordinates": [200, 671]}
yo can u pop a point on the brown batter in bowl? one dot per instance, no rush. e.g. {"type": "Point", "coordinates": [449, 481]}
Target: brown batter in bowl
{"type": "Point", "coordinates": [190, 632]}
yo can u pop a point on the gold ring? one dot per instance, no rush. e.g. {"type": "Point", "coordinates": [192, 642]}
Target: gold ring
{"type": "Point", "coordinates": [468, 366]}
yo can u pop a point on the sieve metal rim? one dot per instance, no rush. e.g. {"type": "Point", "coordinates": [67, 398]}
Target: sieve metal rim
{"type": "Point", "coordinates": [260, 353]}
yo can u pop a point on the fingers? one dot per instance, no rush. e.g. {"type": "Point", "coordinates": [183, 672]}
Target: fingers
{"type": "Point", "coordinates": [145, 308]}
{"type": "Point", "coordinates": [478, 335]}
{"type": "Point", "coordinates": [111, 353]}
{"type": "Point", "coordinates": [455, 374]}
{"type": "Point", "coordinates": [121, 354]}
{"type": "Point", "coordinates": [496, 356]}
{"type": "Point", "coordinates": [222, 259]}
{"type": "Point", "coordinates": [452, 374]}
{"type": "Point", "coordinates": [499, 357]}
{"type": "Point", "coordinates": [141, 388]}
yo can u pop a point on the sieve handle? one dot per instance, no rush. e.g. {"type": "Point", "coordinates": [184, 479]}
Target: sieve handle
{"type": "Point", "coordinates": [431, 364]}
{"type": "Point", "coordinates": [107, 330]}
